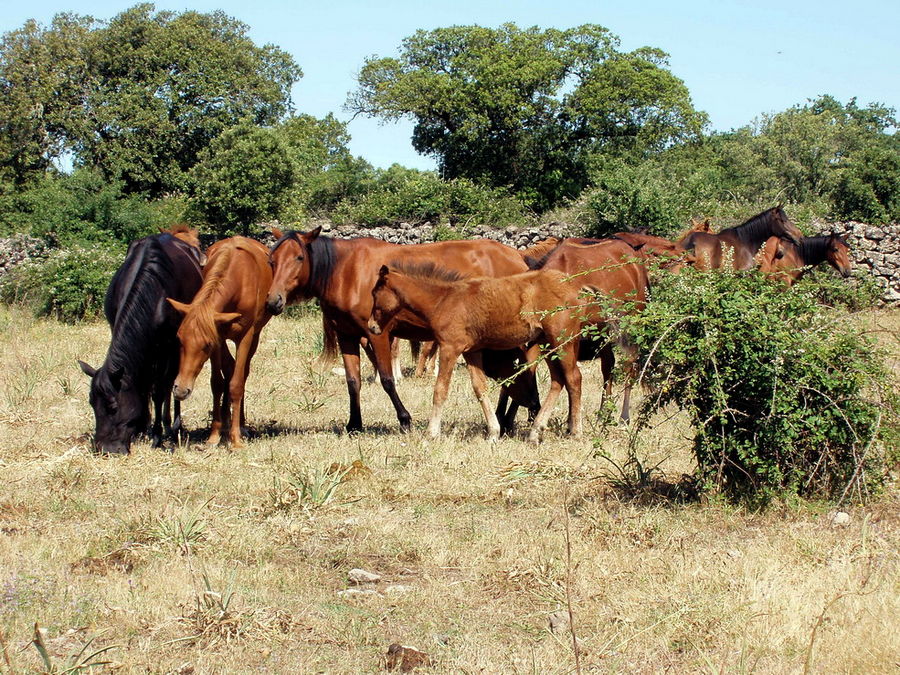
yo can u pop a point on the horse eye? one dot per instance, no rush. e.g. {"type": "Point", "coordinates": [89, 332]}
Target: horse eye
{"type": "Point", "coordinates": [299, 258]}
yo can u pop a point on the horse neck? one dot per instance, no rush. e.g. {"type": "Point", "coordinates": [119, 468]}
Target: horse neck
{"type": "Point", "coordinates": [212, 296]}
{"type": "Point", "coordinates": [420, 294]}
{"type": "Point", "coordinates": [756, 230]}
{"type": "Point", "coordinates": [134, 330]}
{"type": "Point", "coordinates": [324, 254]}
{"type": "Point", "coordinates": [813, 250]}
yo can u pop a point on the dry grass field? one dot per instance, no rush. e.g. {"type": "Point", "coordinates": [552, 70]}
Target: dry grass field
{"type": "Point", "coordinates": [207, 560]}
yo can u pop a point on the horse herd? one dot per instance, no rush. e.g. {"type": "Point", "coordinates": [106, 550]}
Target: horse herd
{"type": "Point", "coordinates": [171, 308]}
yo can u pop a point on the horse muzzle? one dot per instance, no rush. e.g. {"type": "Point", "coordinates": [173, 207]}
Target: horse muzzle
{"type": "Point", "coordinates": [374, 328]}
{"type": "Point", "coordinates": [275, 304]}
{"type": "Point", "coordinates": [180, 393]}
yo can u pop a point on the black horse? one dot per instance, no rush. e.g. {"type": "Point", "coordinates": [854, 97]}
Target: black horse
{"type": "Point", "coordinates": [142, 360]}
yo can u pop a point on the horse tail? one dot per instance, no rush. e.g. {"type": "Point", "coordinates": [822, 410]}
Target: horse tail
{"type": "Point", "coordinates": [329, 342]}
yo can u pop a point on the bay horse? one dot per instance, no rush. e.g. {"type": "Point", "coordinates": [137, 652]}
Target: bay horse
{"type": "Point", "coordinates": [469, 315]}
{"type": "Point", "coordinates": [613, 269]}
{"type": "Point", "coordinates": [671, 255]}
{"type": "Point", "coordinates": [786, 262]}
{"type": "Point", "coordinates": [142, 358]}
{"type": "Point", "coordinates": [744, 240]}
{"type": "Point", "coordinates": [340, 273]}
{"type": "Point", "coordinates": [230, 305]}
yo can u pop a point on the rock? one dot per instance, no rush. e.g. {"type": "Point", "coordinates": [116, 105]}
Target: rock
{"type": "Point", "coordinates": [359, 593]}
{"type": "Point", "coordinates": [397, 589]}
{"type": "Point", "coordinates": [360, 576]}
{"type": "Point", "coordinates": [405, 658]}
{"type": "Point", "coordinates": [559, 622]}
{"type": "Point", "coordinates": [840, 519]}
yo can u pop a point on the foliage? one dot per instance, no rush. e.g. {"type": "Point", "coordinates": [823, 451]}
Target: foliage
{"type": "Point", "coordinates": [785, 397]}
{"type": "Point", "coordinates": [70, 284]}
{"type": "Point", "coordinates": [137, 97]}
{"type": "Point", "coordinates": [83, 207]}
{"type": "Point", "coordinates": [408, 195]}
{"type": "Point", "coordinates": [243, 176]}
{"type": "Point", "coordinates": [527, 108]}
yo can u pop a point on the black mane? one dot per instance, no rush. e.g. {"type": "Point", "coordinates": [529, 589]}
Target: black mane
{"type": "Point", "coordinates": [322, 259]}
{"type": "Point", "coordinates": [814, 250]}
{"type": "Point", "coordinates": [758, 228]}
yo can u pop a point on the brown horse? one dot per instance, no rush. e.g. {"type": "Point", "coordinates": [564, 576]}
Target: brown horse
{"type": "Point", "coordinates": [786, 262]}
{"type": "Point", "coordinates": [468, 315]}
{"type": "Point", "coordinates": [340, 273]}
{"type": "Point", "coordinates": [743, 240]}
{"type": "Point", "coordinates": [612, 269]}
{"type": "Point", "coordinates": [669, 253]}
{"type": "Point", "coordinates": [231, 305]}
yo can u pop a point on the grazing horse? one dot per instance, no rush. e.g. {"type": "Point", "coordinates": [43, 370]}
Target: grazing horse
{"type": "Point", "coordinates": [784, 261]}
{"type": "Point", "coordinates": [468, 315]}
{"type": "Point", "coordinates": [142, 358]}
{"type": "Point", "coordinates": [231, 305]}
{"type": "Point", "coordinates": [744, 240]}
{"type": "Point", "coordinates": [613, 269]}
{"type": "Point", "coordinates": [340, 273]}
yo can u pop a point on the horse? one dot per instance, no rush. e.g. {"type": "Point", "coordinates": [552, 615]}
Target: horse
{"type": "Point", "coordinates": [614, 270]}
{"type": "Point", "coordinates": [468, 315]}
{"type": "Point", "coordinates": [745, 240]}
{"type": "Point", "coordinates": [670, 254]}
{"type": "Point", "coordinates": [142, 358]}
{"type": "Point", "coordinates": [786, 262]}
{"type": "Point", "coordinates": [341, 274]}
{"type": "Point", "coordinates": [230, 305]}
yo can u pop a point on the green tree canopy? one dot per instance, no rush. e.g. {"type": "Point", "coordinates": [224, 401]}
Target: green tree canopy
{"type": "Point", "coordinates": [527, 108]}
{"type": "Point", "coordinates": [137, 97]}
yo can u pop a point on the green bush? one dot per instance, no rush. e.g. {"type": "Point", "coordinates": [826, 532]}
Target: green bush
{"type": "Point", "coordinates": [786, 397]}
{"type": "Point", "coordinates": [70, 284]}
{"type": "Point", "coordinates": [407, 195]}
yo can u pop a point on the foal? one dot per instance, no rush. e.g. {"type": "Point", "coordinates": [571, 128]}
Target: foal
{"type": "Point", "coordinates": [785, 261]}
{"type": "Point", "coordinates": [469, 315]}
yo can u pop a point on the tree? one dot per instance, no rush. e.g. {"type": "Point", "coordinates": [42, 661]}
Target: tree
{"type": "Point", "coordinates": [245, 175]}
{"type": "Point", "coordinates": [527, 108]}
{"type": "Point", "coordinates": [138, 97]}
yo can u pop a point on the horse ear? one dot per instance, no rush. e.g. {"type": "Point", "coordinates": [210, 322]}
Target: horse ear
{"type": "Point", "coordinates": [227, 317]}
{"type": "Point", "coordinates": [90, 371]}
{"type": "Point", "coordinates": [312, 234]}
{"type": "Point", "coordinates": [383, 272]}
{"type": "Point", "coordinates": [180, 307]}
{"type": "Point", "coordinates": [277, 233]}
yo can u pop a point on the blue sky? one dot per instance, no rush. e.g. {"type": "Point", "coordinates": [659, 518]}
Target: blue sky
{"type": "Point", "coordinates": [738, 58]}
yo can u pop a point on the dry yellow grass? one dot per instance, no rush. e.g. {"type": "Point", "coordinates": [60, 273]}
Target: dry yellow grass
{"type": "Point", "coordinates": [206, 560]}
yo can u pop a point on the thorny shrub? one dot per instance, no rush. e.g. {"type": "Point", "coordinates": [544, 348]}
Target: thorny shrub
{"type": "Point", "coordinates": [785, 396]}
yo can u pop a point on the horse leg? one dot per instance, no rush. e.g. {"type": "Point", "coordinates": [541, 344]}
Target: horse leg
{"type": "Point", "coordinates": [506, 416]}
{"type": "Point", "coordinates": [349, 347]}
{"type": "Point", "coordinates": [160, 401]}
{"type": "Point", "coordinates": [631, 359]}
{"type": "Point", "coordinates": [607, 362]}
{"type": "Point", "coordinates": [426, 360]}
{"type": "Point", "coordinates": [446, 363]}
{"type": "Point", "coordinates": [479, 384]}
{"type": "Point", "coordinates": [396, 368]}
{"type": "Point", "coordinates": [217, 385]}
{"type": "Point", "coordinates": [244, 352]}
{"type": "Point", "coordinates": [556, 384]}
{"type": "Point", "coordinates": [572, 374]}
{"type": "Point", "coordinates": [381, 347]}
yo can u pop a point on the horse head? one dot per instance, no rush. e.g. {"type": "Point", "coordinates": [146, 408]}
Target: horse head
{"type": "Point", "coordinates": [199, 337]}
{"type": "Point", "coordinates": [119, 410]}
{"type": "Point", "coordinates": [838, 254]}
{"type": "Point", "coordinates": [385, 301]}
{"type": "Point", "coordinates": [784, 228]}
{"type": "Point", "coordinates": [291, 268]}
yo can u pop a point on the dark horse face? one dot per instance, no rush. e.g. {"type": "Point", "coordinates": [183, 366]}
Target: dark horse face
{"type": "Point", "coordinates": [119, 410]}
{"type": "Point", "coordinates": [784, 228]}
{"type": "Point", "coordinates": [838, 255]}
{"type": "Point", "coordinates": [290, 269]}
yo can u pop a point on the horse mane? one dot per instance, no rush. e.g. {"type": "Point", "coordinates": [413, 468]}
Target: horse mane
{"type": "Point", "coordinates": [536, 263]}
{"type": "Point", "coordinates": [322, 259]}
{"type": "Point", "coordinates": [539, 249]}
{"type": "Point", "coordinates": [755, 229]}
{"type": "Point", "coordinates": [426, 270]}
{"type": "Point", "coordinates": [202, 315]}
{"type": "Point", "coordinates": [133, 334]}
{"type": "Point", "coordinates": [814, 250]}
